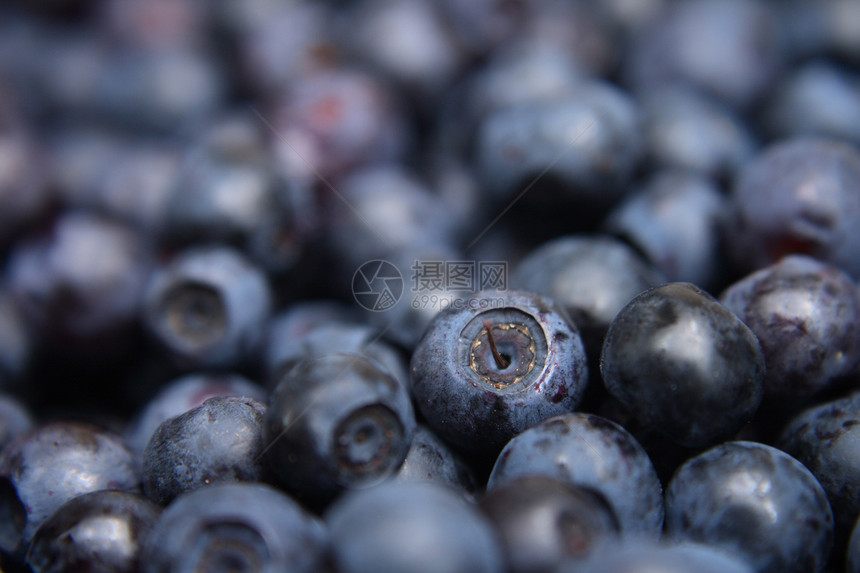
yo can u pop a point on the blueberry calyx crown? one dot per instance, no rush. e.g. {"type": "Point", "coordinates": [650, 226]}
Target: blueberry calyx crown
{"type": "Point", "coordinates": [504, 347]}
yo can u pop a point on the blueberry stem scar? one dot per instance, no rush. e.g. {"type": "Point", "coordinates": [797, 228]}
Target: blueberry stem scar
{"type": "Point", "coordinates": [501, 363]}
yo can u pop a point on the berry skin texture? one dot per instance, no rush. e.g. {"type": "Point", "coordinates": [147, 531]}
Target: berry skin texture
{"type": "Point", "coordinates": [477, 402]}
{"type": "Point", "coordinates": [826, 439]}
{"type": "Point", "coordinates": [797, 196]}
{"type": "Point", "coordinates": [806, 315]}
{"type": "Point", "coordinates": [755, 501]}
{"type": "Point", "coordinates": [592, 452]}
{"type": "Point", "coordinates": [99, 531]}
{"type": "Point", "coordinates": [220, 440]}
{"type": "Point", "coordinates": [336, 422]}
{"type": "Point", "coordinates": [183, 394]}
{"type": "Point", "coordinates": [543, 521]}
{"type": "Point", "coordinates": [45, 468]}
{"type": "Point", "coordinates": [684, 365]}
{"type": "Point", "coordinates": [411, 527]}
{"type": "Point", "coordinates": [235, 527]}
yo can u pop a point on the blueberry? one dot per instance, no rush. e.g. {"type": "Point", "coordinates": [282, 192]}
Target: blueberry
{"type": "Point", "coordinates": [489, 368]}
{"type": "Point", "coordinates": [336, 422]}
{"type": "Point", "coordinates": [544, 522]}
{"type": "Point", "coordinates": [43, 469]}
{"type": "Point", "coordinates": [431, 459]}
{"type": "Point", "coordinates": [675, 219]}
{"type": "Point", "coordinates": [422, 57]}
{"type": "Point", "coordinates": [727, 48]}
{"type": "Point", "coordinates": [683, 365]}
{"type": "Point", "coordinates": [584, 147]}
{"type": "Point", "coordinates": [381, 212]}
{"type": "Point", "coordinates": [687, 130]}
{"type": "Point", "coordinates": [797, 196]}
{"type": "Point", "coordinates": [97, 531]}
{"type": "Point", "coordinates": [81, 285]}
{"type": "Point", "coordinates": [591, 276]}
{"type": "Point", "coordinates": [411, 527]}
{"type": "Point", "coordinates": [638, 557]}
{"type": "Point", "coordinates": [208, 307]}
{"type": "Point", "coordinates": [825, 439]}
{"type": "Point", "coordinates": [592, 452]}
{"type": "Point", "coordinates": [806, 315]}
{"type": "Point", "coordinates": [234, 527]}
{"type": "Point", "coordinates": [181, 395]}
{"type": "Point", "coordinates": [331, 122]}
{"type": "Point", "coordinates": [221, 193]}
{"type": "Point", "coordinates": [218, 441]}
{"type": "Point", "coordinates": [279, 45]}
{"type": "Point", "coordinates": [816, 99]}
{"type": "Point", "coordinates": [755, 501]}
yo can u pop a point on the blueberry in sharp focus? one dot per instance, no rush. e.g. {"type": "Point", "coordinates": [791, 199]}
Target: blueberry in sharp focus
{"type": "Point", "coordinates": [220, 440]}
{"type": "Point", "coordinates": [501, 362]}
{"type": "Point", "coordinates": [806, 315]}
{"type": "Point", "coordinates": [101, 531]}
{"type": "Point", "coordinates": [592, 452]}
{"type": "Point", "coordinates": [683, 364]}
{"type": "Point", "coordinates": [43, 469]}
{"type": "Point", "coordinates": [799, 195]}
{"type": "Point", "coordinates": [411, 527]}
{"type": "Point", "coordinates": [430, 459]}
{"type": "Point", "coordinates": [826, 439]}
{"type": "Point", "coordinates": [591, 276]}
{"type": "Point", "coordinates": [208, 307]}
{"type": "Point", "coordinates": [181, 395]}
{"type": "Point", "coordinates": [543, 522]}
{"type": "Point", "coordinates": [755, 501]}
{"type": "Point", "coordinates": [235, 527]}
{"type": "Point", "coordinates": [336, 422]}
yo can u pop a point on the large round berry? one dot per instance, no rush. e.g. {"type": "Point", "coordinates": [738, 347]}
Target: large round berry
{"type": "Point", "coordinates": [336, 422]}
{"type": "Point", "coordinates": [592, 452]}
{"type": "Point", "coordinates": [97, 531]}
{"type": "Point", "coordinates": [683, 364]}
{"type": "Point", "coordinates": [752, 500]}
{"type": "Point", "coordinates": [798, 196]}
{"type": "Point", "coordinates": [826, 439]}
{"type": "Point", "coordinates": [495, 365]}
{"type": "Point", "coordinates": [806, 315]}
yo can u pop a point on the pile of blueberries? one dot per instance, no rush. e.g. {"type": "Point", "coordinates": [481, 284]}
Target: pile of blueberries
{"type": "Point", "coordinates": [342, 286]}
